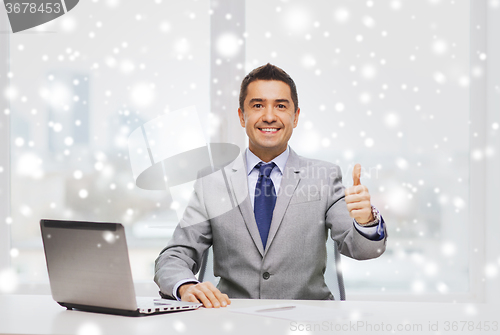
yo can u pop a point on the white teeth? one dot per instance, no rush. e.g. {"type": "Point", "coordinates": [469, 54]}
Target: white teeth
{"type": "Point", "coordinates": [270, 129]}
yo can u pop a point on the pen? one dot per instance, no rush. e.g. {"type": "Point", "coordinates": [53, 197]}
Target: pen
{"type": "Point", "coordinates": [274, 309]}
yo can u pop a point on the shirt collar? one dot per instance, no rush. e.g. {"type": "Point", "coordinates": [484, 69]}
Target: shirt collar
{"type": "Point", "coordinates": [280, 160]}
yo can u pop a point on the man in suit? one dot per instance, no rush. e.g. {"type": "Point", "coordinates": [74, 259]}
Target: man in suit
{"type": "Point", "coordinates": [268, 213]}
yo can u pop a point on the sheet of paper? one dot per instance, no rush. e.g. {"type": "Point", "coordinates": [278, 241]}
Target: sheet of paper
{"type": "Point", "coordinates": [298, 312]}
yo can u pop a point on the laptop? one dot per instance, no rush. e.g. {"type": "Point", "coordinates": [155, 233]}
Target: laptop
{"type": "Point", "coordinates": [89, 270]}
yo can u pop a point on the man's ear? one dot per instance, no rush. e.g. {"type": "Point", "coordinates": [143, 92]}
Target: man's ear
{"type": "Point", "coordinates": [242, 117]}
{"type": "Point", "coordinates": [296, 118]}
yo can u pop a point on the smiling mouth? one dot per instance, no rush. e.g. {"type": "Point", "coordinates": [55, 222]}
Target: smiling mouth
{"type": "Point", "coordinates": [269, 130]}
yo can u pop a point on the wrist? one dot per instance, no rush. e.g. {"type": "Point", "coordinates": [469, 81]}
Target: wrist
{"type": "Point", "coordinates": [374, 219]}
{"type": "Point", "coordinates": [183, 288]}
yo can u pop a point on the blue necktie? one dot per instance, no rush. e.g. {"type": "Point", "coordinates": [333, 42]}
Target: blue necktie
{"type": "Point", "coordinates": [265, 199]}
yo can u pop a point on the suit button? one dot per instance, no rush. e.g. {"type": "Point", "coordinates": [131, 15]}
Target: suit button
{"type": "Point", "coordinates": [266, 275]}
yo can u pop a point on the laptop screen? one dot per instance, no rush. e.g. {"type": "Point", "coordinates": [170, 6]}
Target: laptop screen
{"type": "Point", "coordinates": [88, 263]}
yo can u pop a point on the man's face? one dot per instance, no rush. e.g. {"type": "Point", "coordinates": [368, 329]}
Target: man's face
{"type": "Point", "coordinates": [269, 117]}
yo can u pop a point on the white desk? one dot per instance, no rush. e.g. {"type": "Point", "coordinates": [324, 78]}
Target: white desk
{"type": "Point", "coordinates": [41, 315]}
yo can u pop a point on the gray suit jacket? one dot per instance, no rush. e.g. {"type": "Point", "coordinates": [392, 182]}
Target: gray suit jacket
{"type": "Point", "coordinates": [310, 203]}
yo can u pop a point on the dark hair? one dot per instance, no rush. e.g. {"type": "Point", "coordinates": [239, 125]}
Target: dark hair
{"type": "Point", "coordinates": [268, 72]}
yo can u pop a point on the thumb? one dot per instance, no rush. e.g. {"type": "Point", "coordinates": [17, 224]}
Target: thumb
{"type": "Point", "coordinates": [356, 174]}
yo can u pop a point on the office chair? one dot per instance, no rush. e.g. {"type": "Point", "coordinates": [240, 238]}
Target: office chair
{"type": "Point", "coordinates": [333, 274]}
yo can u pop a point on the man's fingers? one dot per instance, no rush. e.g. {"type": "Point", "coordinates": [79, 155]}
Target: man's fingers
{"type": "Point", "coordinates": [365, 204]}
{"type": "Point", "coordinates": [190, 298]}
{"type": "Point", "coordinates": [356, 190]}
{"type": "Point", "coordinates": [209, 295]}
{"type": "Point", "coordinates": [359, 214]}
{"type": "Point", "coordinates": [222, 298]}
{"type": "Point", "coordinates": [226, 298]}
{"type": "Point", "coordinates": [356, 175]}
{"type": "Point", "coordinates": [200, 295]}
{"type": "Point", "coordinates": [212, 300]}
{"type": "Point", "coordinates": [356, 197]}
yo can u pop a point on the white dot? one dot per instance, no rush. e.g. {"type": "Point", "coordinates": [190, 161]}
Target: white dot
{"type": "Point", "coordinates": [19, 141]}
{"type": "Point", "coordinates": [448, 249]}
{"type": "Point", "coordinates": [442, 288]}
{"type": "Point", "coordinates": [494, 126]}
{"type": "Point", "coordinates": [142, 95]}
{"type": "Point", "coordinates": [470, 309]}
{"type": "Point", "coordinates": [391, 120]}
{"type": "Point", "coordinates": [14, 252]}
{"type": "Point", "coordinates": [477, 154]}
{"type": "Point", "coordinates": [440, 47]}
{"type": "Point", "coordinates": [368, 21]}
{"type": "Point", "coordinates": [165, 27]}
{"type": "Point", "coordinates": [68, 141]}
{"type": "Point", "coordinates": [418, 286]}
{"type": "Point", "coordinates": [57, 127]}
{"type": "Point", "coordinates": [308, 61]}
{"type": "Point", "coordinates": [365, 98]}
{"type": "Point", "coordinates": [431, 268]}
{"type": "Point", "coordinates": [463, 81]}
{"type": "Point", "coordinates": [182, 46]}
{"type": "Point", "coordinates": [339, 107]}
{"type": "Point", "coordinates": [369, 142]}
{"type": "Point", "coordinates": [68, 23]}
{"type": "Point", "coordinates": [439, 78]}
{"type": "Point", "coordinates": [98, 166]}
{"type": "Point", "coordinates": [83, 193]}
{"type": "Point", "coordinates": [402, 163]}
{"type": "Point", "coordinates": [8, 280]}
{"type": "Point", "coordinates": [342, 15]}
{"type": "Point", "coordinates": [126, 66]}
{"type": "Point", "coordinates": [228, 44]}
{"type": "Point", "coordinates": [491, 270]}
{"type": "Point", "coordinates": [109, 237]}
{"type": "Point", "coordinates": [89, 328]}
{"type": "Point", "coordinates": [11, 93]}
{"type": "Point", "coordinates": [179, 326]}
{"type": "Point", "coordinates": [368, 71]}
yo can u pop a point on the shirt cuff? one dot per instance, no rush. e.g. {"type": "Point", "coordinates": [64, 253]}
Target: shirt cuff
{"type": "Point", "coordinates": [182, 282]}
{"type": "Point", "coordinates": [374, 233]}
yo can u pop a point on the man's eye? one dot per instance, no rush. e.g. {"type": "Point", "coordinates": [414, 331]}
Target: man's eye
{"type": "Point", "coordinates": [281, 106]}
{"type": "Point", "coordinates": [257, 105]}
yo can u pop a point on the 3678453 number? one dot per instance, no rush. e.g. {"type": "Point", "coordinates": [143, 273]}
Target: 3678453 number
{"type": "Point", "coordinates": [33, 7]}
{"type": "Point", "coordinates": [472, 326]}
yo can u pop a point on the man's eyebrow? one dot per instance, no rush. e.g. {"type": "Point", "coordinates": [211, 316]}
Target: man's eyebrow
{"type": "Point", "coordinates": [262, 100]}
{"type": "Point", "coordinates": [256, 100]}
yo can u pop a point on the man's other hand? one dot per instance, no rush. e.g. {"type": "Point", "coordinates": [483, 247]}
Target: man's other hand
{"type": "Point", "coordinates": [357, 199]}
{"type": "Point", "coordinates": [206, 293]}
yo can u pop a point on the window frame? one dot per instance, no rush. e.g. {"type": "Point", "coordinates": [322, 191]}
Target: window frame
{"type": "Point", "coordinates": [482, 207]}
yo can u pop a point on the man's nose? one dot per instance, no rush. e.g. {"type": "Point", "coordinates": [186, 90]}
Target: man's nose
{"type": "Point", "coordinates": [269, 114]}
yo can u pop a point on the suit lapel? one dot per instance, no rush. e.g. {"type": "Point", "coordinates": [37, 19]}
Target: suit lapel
{"type": "Point", "coordinates": [289, 182]}
{"type": "Point", "coordinates": [239, 181]}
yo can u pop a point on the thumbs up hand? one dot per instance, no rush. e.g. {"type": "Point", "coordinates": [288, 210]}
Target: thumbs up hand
{"type": "Point", "coordinates": [357, 199]}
